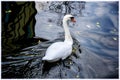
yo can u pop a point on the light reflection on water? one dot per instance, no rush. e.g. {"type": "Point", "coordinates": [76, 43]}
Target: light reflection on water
{"type": "Point", "coordinates": [96, 31]}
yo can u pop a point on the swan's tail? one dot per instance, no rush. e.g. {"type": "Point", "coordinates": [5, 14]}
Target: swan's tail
{"type": "Point", "coordinates": [49, 59]}
{"type": "Point", "coordinates": [44, 58]}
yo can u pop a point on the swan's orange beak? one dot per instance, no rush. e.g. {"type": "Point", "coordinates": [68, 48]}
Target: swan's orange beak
{"type": "Point", "coordinates": [73, 19]}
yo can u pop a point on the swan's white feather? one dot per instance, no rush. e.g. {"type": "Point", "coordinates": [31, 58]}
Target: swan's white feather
{"type": "Point", "coordinates": [58, 50]}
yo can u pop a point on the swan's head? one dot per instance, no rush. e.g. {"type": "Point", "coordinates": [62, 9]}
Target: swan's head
{"type": "Point", "coordinates": [69, 17]}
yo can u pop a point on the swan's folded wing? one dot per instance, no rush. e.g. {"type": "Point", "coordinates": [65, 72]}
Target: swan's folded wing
{"type": "Point", "coordinates": [58, 50]}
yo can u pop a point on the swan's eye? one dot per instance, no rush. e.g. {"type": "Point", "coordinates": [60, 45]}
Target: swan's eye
{"type": "Point", "coordinates": [72, 19]}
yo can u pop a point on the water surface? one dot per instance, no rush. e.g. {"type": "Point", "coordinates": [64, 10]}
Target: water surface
{"type": "Point", "coordinates": [95, 49]}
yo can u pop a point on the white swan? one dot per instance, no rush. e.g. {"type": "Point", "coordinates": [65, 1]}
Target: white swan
{"type": "Point", "coordinates": [61, 50]}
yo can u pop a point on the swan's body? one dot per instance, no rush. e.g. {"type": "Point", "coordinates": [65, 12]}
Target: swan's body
{"type": "Point", "coordinates": [61, 50]}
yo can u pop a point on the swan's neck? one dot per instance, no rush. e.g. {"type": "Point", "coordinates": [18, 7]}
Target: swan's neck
{"type": "Point", "coordinates": [68, 37]}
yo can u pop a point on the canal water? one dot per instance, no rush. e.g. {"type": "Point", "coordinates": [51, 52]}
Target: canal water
{"type": "Point", "coordinates": [95, 48]}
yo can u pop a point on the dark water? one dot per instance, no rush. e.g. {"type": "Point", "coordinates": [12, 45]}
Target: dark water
{"type": "Point", "coordinates": [95, 49]}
